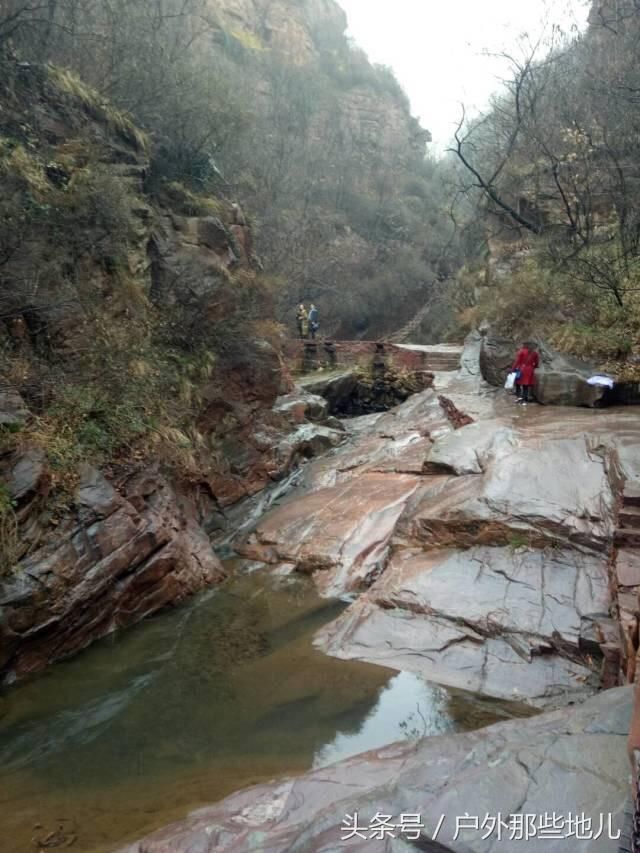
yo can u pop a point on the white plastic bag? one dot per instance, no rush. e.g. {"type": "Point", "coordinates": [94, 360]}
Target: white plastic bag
{"type": "Point", "coordinates": [511, 381]}
{"type": "Point", "coordinates": [602, 380]}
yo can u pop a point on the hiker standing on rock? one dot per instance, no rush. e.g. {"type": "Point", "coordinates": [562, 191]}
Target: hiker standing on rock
{"type": "Point", "coordinates": [527, 360]}
{"type": "Point", "coordinates": [302, 321]}
{"type": "Point", "coordinates": [314, 325]}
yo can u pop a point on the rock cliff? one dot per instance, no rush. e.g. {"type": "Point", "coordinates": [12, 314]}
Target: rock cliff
{"type": "Point", "coordinates": [136, 393]}
{"type": "Point", "coordinates": [343, 162]}
{"type": "Point", "coordinates": [290, 28]}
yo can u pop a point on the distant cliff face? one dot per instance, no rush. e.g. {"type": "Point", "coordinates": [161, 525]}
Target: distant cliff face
{"type": "Point", "coordinates": [269, 102]}
{"type": "Point", "coordinates": [284, 25]}
{"type": "Point", "coordinates": [304, 31]}
{"type": "Point", "coordinates": [334, 171]}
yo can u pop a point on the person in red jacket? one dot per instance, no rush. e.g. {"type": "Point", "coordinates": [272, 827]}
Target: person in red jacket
{"type": "Point", "coordinates": [527, 360]}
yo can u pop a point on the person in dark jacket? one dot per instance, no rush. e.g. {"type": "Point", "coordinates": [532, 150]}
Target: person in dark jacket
{"type": "Point", "coordinates": [517, 368]}
{"type": "Point", "coordinates": [526, 363]}
{"type": "Point", "coordinates": [314, 325]}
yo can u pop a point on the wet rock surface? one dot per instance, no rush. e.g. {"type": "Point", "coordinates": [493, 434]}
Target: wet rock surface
{"type": "Point", "coordinates": [474, 539]}
{"type": "Point", "coordinates": [119, 558]}
{"type": "Point", "coordinates": [485, 546]}
{"type": "Point", "coordinates": [306, 442]}
{"type": "Point", "coordinates": [480, 551]}
{"type": "Point", "coordinates": [470, 449]}
{"type": "Point", "coordinates": [336, 388]}
{"type": "Point", "coordinates": [527, 491]}
{"type": "Point", "coordinates": [570, 761]}
{"type": "Point", "coordinates": [340, 534]}
{"type": "Point", "coordinates": [516, 625]}
{"type": "Point", "coordinates": [301, 405]}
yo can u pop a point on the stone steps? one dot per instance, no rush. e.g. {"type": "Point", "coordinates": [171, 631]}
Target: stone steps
{"type": "Point", "coordinates": [627, 534]}
{"type": "Point", "coordinates": [412, 326]}
{"type": "Point", "coordinates": [627, 537]}
{"type": "Point", "coordinates": [438, 357]}
{"type": "Point", "coordinates": [626, 580]}
{"type": "Point", "coordinates": [631, 495]}
{"type": "Point", "coordinates": [630, 516]}
{"type": "Point", "coordinates": [443, 364]}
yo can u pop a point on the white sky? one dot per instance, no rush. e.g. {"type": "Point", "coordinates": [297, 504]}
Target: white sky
{"type": "Point", "coordinates": [436, 47]}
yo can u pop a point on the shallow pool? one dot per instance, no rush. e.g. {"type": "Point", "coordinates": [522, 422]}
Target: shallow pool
{"type": "Point", "coordinates": [192, 705]}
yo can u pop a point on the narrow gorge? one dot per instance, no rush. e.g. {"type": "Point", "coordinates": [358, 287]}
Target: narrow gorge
{"type": "Point", "coordinates": [286, 586]}
{"type": "Point", "coordinates": [521, 510]}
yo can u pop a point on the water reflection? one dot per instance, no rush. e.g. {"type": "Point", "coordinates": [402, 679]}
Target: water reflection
{"type": "Point", "coordinates": [192, 705]}
{"type": "Point", "coordinates": [407, 707]}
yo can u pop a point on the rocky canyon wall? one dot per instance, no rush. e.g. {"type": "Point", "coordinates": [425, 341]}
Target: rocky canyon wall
{"type": "Point", "coordinates": [136, 394]}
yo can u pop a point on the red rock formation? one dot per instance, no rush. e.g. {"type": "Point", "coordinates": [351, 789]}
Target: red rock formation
{"type": "Point", "coordinates": [117, 558]}
{"type": "Point", "coordinates": [455, 417]}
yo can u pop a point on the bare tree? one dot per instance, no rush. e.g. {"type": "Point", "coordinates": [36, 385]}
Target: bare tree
{"type": "Point", "coordinates": [563, 147]}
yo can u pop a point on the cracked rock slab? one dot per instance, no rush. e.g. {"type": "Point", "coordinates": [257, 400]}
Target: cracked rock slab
{"type": "Point", "coordinates": [470, 450]}
{"type": "Point", "coordinates": [514, 625]}
{"type": "Point", "coordinates": [542, 490]}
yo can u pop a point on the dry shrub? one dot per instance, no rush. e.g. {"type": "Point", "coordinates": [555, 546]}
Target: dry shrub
{"type": "Point", "coordinates": [69, 85]}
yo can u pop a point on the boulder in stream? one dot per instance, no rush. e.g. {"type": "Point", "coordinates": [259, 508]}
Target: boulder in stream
{"type": "Point", "coordinates": [307, 440]}
{"type": "Point", "coordinates": [300, 405]}
{"type": "Point", "coordinates": [336, 388]}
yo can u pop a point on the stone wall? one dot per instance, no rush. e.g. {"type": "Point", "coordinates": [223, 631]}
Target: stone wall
{"type": "Point", "coordinates": [304, 356]}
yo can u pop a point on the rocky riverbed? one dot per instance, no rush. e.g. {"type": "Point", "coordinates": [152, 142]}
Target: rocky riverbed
{"type": "Point", "coordinates": [475, 542]}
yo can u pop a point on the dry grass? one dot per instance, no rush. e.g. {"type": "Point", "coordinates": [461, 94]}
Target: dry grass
{"type": "Point", "coordinates": [185, 201]}
{"type": "Point", "coordinates": [69, 84]}
{"type": "Point", "coordinates": [19, 164]}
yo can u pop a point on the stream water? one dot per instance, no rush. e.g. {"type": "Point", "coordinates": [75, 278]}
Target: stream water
{"type": "Point", "coordinates": [194, 704]}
